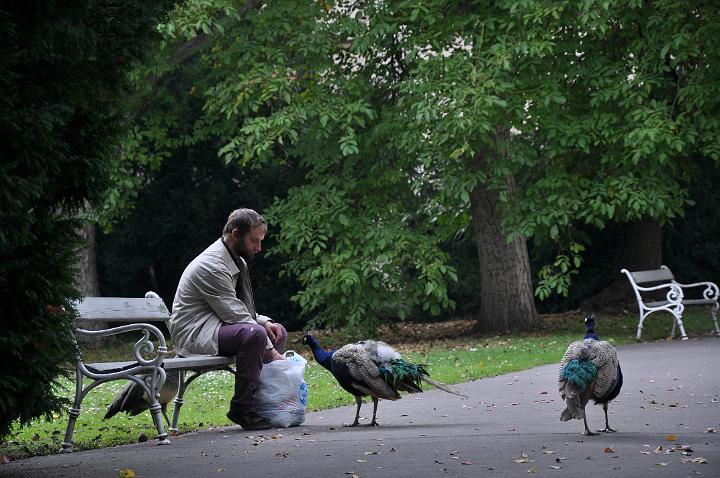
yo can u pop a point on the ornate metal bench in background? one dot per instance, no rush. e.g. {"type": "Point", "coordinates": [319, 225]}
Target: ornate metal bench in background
{"type": "Point", "coordinates": [666, 294]}
{"type": "Point", "coordinates": [148, 364]}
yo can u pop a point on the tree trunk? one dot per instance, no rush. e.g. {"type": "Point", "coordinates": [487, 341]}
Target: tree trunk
{"type": "Point", "coordinates": [87, 280]}
{"type": "Point", "coordinates": [506, 293]}
{"type": "Point", "coordinates": [642, 251]}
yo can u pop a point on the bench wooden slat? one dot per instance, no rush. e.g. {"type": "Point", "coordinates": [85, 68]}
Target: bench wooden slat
{"type": "Point", "coordinates": [104, 366]}
{"type": "Point", "coordinates": [120, 309]}
{"type": "Point", "coordinates": [200, 361]}
{"type": "Point", "coordinates": [652, 276]}
{"type": "Point", "coordinates": [172, 363]}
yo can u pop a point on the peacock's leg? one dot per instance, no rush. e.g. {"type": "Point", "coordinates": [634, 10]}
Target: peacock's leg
{"type": "Point", "coordinates": [607, 424]}
{"type": "Point", "coordinates": [587, 430]}
{"type": "Point", "coordinates": [373, 423]}
{"type": "Point", "coordinates": [356, 423]}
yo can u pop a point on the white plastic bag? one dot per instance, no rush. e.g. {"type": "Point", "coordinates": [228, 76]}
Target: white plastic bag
{"type": "Point", "coordinates": [281, 397]}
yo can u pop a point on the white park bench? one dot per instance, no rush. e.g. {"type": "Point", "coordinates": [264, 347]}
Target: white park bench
{"type": "Point", "coordinates": [147, 363]}
{"type": "Point", "coordinates": [657, 290]}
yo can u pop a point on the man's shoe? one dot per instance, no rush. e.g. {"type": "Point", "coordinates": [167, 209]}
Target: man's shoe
{"type": "Point", "coordinates": [249, 420]}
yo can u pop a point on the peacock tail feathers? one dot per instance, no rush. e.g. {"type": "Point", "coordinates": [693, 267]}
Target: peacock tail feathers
{"type": "Point", "coordinates": [580, 372]}
{"type": "Point", "coordinates": [398, 372]}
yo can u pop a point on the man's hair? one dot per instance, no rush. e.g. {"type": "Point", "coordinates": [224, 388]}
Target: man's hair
{"type": "Point", "coordinates": [243, 220]}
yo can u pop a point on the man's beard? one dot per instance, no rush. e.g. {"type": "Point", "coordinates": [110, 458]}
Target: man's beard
{"type": "Point", "coordinates": [239, 250]}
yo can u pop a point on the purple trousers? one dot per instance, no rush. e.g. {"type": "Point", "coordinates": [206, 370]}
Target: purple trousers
{"type": "Point", "coordinates": [246, 342]}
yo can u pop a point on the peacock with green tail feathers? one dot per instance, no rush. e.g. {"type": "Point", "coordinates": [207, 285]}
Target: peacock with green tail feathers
{"type": "Point", "coordinates": [589, 370]}
{"type": "Point", "coordinates": [373, 368]}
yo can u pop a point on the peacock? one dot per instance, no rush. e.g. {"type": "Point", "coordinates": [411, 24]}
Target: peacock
{"type": "Point", "coordinates": [589, 370]}
{"type": "Point", "coordinates": [372, 368]}
{"type": "Point", "coordinates": [132, 399]}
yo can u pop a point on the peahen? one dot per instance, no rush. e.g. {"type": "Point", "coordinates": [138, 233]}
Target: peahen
{"type": "Point", "coordinates": [132, 398]}
{"type": "Point", "coordinates": [589, 370]}
{"type": "Point", "coordinates": [372, 368]}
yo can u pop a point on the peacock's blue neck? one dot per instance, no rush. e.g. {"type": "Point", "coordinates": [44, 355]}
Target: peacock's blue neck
{"type": "Point", "coordinates": [321, 355]}
{"type": "Point", "coordinates": [590, 328]}
{"type": "Point", "coordinates": [590, 334]}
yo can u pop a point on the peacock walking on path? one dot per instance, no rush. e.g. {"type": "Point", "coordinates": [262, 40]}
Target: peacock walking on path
{"type": "Point", "coordinates": [589, 370]}
{"type": "Point", "coordinates": [132, 399]}
{"type": "Point", "coordinates": [372, 368]}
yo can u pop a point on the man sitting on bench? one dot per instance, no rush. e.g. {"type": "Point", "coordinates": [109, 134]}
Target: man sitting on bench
{"type": "Point", "coordinates": [213, 312]}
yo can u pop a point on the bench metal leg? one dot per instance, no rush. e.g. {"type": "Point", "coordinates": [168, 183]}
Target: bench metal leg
{"type": "Point", "coordinates": [640, 323]}
{"type": "Point", "coordinates": [679, 323]}
{"type": "Point", "coordinates": [713, 314]}
{"type": "Point", "coordinates": [74, 413]}
{"type": "Point", "coordinates": [156, 411]}
{"type": "Point", "coordinates": [67, 444]}
{"type": "Point", "coordinates": [154, 382]}
{"type": "Point", "coordinates": [179, 402]}
{"type": "Point", "coordinates": [182, 388]}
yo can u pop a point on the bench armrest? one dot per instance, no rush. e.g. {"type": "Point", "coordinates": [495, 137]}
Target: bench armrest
{"type": "Point", "coordinates": [672, 287]}
{"type": "Point", "coordinates": [144, 346]}
{"type": "Point", "coordinates": [709, 293]}
{"type": "Point", "coordinates": [674, 294]}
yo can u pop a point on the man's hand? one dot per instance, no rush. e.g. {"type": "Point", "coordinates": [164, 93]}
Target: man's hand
{"type": "Point", "coordinates": [272, 355]}
{"type": "Point", "coordinates": [272, 330]}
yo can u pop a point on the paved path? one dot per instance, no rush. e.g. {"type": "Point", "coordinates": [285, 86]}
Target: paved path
{"type": "Point", "coordinates": [508, 427]}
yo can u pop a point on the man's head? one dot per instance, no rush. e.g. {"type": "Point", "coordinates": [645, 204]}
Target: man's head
{"type": "Point", "coordinates": [244, 232]}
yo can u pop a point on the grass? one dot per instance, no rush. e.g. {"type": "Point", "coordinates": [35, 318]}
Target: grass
{"type": "Point", "coordinates": [451, 354]}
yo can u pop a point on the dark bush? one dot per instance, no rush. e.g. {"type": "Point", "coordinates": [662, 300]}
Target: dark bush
{"type": "Point", "coordinates": [63, 67]}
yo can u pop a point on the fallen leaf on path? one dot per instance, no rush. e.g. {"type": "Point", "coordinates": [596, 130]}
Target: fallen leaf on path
{"type": "Point", "coordinates": [609, 450]}
{"type": "Point", "coordinates": [532, 470]}
{"type": "Point", "coordinates": [127, 473]}
{"type": "Point", "coordinates": [699, 459]}
{"type": "Point", "coordinates": [671, 437]}
{"type": "Point", "coordinates": [661, 464]}
{"type": "Point", "coordinates": [468, 463]}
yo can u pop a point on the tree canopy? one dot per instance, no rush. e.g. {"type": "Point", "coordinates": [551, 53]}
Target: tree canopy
{"type": "Point", "coordinates": [413, 119]}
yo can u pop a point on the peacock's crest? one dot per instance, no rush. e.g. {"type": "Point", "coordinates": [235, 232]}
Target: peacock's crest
{"type": "Point", "coordinates": [580, 372]}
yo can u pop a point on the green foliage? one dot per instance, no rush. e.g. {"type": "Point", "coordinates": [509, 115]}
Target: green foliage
{"type": "Point", "coordinates": [640, 107]}
{"type": "Point", "coordinates": [398, 111]}
{"type": "Point", "coordinates": [64, 68]}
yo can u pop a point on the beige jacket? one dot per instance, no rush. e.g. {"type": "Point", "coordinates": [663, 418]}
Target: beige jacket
{"type": "Point", "coordinates": [206, 298]}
